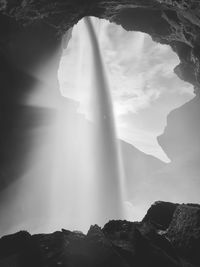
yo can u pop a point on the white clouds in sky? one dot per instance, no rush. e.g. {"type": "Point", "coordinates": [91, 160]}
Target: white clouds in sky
{"type": "Point", "coordinates": [143, 86]}
{"type": "Point", "coordinates": [139, 69]}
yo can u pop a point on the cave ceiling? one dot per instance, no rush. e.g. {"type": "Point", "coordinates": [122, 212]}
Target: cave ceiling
{"type": "Point", "coordinates": [176, 23]}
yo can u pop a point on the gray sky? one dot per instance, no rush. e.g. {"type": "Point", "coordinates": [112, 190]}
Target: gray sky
{"type": "Point", "coordinates": [143, 86]}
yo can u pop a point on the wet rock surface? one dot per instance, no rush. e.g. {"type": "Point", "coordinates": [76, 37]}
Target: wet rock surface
{"type": "Point", "coordinates": [118, 243]}
{"type": "Point", "coordinates": [184, 231]}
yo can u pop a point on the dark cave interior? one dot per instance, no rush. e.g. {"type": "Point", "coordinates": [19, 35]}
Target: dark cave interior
{"type": "Point", "coordinates": [31, 32]}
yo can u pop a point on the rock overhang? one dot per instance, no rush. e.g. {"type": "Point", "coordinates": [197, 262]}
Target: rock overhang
{"type": "Point", "coordinates": [175, 23]}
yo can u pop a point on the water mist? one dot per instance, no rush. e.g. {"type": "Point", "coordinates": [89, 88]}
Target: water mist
{"type": "Point", "coordinates": [73, 177]}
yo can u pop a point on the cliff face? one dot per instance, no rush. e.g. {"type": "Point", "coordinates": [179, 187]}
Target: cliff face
{"type": "Point", "coordinates": [179, 180]}
{"type": "Point", "coordinates": [182, 133]}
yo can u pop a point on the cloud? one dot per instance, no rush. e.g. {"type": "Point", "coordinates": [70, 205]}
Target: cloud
{"type": "Point", "coordinates": [140, 70]}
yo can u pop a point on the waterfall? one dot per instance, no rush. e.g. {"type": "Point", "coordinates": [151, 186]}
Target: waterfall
{"type": "Point", "coordinates": [109, 180]}
{"type": "Point", "coordinates": [88, 180]}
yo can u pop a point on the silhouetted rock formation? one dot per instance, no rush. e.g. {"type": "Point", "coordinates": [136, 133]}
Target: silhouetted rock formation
{"type": "Point", "coordinates": [19, 249]}
{"type": "Point", "coordinates": [184, 231]}
{"type": "Point", "coordinates": [118, 243]}
{"type": "Point", "coordinates": [181, 142]}
{"type": "Point", "coordinates": [181, 133]}
{"type": "Point", "coordinates": [160, 214]}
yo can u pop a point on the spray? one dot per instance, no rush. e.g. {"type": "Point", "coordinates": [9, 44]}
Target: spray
{"type": "Point", "coordinates": [73, 177]}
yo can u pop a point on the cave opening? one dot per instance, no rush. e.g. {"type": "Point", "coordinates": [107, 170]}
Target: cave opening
{"type": "Point", "coordinates": [141, 74]}
{"type": "Point", "coordinates": [144, 90]}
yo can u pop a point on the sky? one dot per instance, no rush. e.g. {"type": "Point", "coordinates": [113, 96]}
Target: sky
{"type": "Point", "coordinates": [143, 86]}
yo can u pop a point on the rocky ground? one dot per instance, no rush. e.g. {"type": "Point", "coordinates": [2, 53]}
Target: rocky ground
{"type": "Point", "coordinates": [168, 236]}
